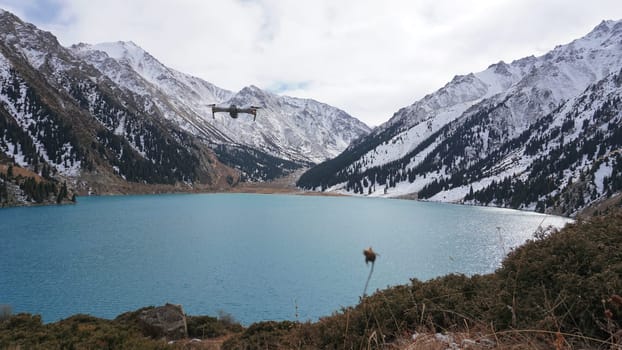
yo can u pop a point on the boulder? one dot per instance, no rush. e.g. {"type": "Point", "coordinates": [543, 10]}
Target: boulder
{"type": "Point", "coordinates": [167, 321]}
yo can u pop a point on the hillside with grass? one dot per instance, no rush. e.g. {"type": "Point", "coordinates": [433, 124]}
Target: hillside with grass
{"type": "Point", "coordinates": [560, 290]}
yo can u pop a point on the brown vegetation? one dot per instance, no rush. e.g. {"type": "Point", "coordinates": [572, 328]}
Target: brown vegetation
{"type": "Point", "coordinates": [19, 171]}
{"type": "Point", "coordinates": [24, 331]}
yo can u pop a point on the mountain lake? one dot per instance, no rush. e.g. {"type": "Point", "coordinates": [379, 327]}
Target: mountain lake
{"type": "Point", "coordinates": [255, 257]}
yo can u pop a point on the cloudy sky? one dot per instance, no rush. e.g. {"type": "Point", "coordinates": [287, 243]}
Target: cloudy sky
{"type": "Point", "coordinates": [369, 58]}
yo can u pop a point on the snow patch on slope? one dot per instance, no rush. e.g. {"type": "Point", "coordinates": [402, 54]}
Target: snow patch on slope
{"type": "Point", "coordinates": [26, 120]}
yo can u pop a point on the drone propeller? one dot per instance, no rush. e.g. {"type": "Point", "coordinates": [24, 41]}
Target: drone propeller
{"type": "Point", "coordinates": [254, 109]}
{"type": "Point", "coordinates": [212, 106]}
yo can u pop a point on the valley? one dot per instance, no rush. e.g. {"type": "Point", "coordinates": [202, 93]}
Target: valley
{"type": "Point", "coordinates": [538, 133]}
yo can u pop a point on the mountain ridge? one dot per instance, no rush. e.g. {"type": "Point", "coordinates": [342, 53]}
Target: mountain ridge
{"type": "Point", "coordinates": [472, 117]}
{"type": "Point", "coordinates": [270, 130]}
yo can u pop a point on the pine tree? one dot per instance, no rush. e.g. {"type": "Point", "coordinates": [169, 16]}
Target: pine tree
{"type": "Point", "coordinates": [45, 172]}
{"type": "Point", "coordinates": [3, 192]}
{"type": "Point", "coordinates": [62, 194]}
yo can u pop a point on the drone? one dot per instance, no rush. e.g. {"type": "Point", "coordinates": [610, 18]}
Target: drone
{"type": "Point", "coordinates": [233, 110]}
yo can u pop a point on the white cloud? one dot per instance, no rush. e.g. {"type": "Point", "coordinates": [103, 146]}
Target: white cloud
{"type": "Point", "coordinates": [366, 57]}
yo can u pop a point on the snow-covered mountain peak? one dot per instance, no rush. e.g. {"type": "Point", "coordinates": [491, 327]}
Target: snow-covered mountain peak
{"type": "Point", "coordinates": [128, 53]}
{"type": "Point", "coordinates": [524, 62]}
{"type": "Point", "coordinates": [8, 16]}
{"type": "Point", "coordinates": [34, 44]}
{"type": "Point", "coordinates": [15, 30]}
{"type": "Point", "coordinates": [122, 50]}
{"type": "Point", "coordinates": [254, 91]}
{"type": "Point", "coordinates": [561, 73]}
{"type": "Point", "coordinates": [606, 34]}
{"type": "Point", "coordinates": [501, 68]}
{"type": "Point", "coordinates": [565, 71]}
{"type": "Point", "coordinates": [251, 89]}
{"type": "Point", "coordinates": [252, 95]}
{"type": "Point", "coordinates": [134, 60]}
{"type": "Point", "coordinates": [603, 27]}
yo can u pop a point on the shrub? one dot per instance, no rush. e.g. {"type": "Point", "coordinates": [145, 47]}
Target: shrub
{"type": "Point", "coordinates": [77, 332]}
{"type": "Point", "coordinates": [211, 327]}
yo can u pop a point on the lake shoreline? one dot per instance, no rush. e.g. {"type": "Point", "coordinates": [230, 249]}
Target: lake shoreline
{"type": "Point", "coordinates": [210, 244]}
{"type": "Point", "coordinates": [285, 185]}
{"type": "Point", "coordinates": [260, 188]}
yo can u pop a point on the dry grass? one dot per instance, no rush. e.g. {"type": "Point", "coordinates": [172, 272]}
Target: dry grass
{"type": "Point", "coordinates": [19, 171]}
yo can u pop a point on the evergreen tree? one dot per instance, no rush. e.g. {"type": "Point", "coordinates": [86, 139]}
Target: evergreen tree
{"type": "Point", "coordinates": [62, 194]}
{"type": "Point", "coordinates": [45, 172]}
{"type": "Point", "coordinates": [3, 192]}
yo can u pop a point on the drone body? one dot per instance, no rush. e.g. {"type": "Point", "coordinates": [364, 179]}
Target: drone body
{"type": "Point", "coordinates": [233, 110]}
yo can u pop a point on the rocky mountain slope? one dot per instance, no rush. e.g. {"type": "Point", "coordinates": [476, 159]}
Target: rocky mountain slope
{"type": "Point", "coordinates": [510, 124]}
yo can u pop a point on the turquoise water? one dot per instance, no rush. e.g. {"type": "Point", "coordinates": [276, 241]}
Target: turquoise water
{"type": "Point", "coordinates": [256, 257]}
